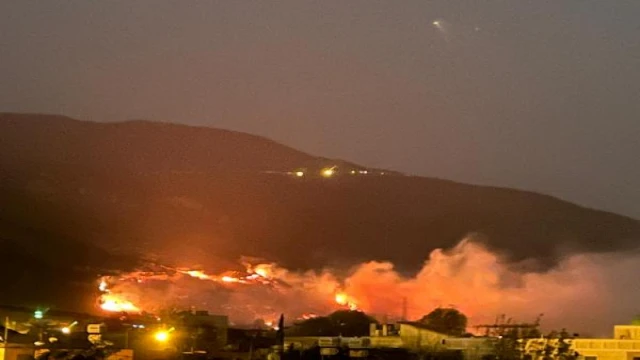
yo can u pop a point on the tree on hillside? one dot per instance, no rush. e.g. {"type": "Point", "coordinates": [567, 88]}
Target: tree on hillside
{"type": "Point", "coordinates": [447, 321]}
{"type": "Point", "coordinates": [339, 323]}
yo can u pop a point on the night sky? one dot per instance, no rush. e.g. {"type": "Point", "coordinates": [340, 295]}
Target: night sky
{"type": "Point", "coordinates": [537, 95]}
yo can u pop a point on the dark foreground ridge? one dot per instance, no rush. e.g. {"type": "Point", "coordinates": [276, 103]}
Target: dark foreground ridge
{"type": "Point", "coordinates": [81, 197]}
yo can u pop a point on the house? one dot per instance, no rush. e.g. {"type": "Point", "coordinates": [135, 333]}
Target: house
{"type": "Point", "coordinates": [405, 336]}
{"type": "Point", "coordinates": [415, 336]}
{"type": "Point", "coordinates": [16, 352]}
{"type": "Point", "coordinates": [211, 330]}
{"type": "Point", "coordinates": [625, 345]}
{"type": "Point", "coordinates": [472, 348]}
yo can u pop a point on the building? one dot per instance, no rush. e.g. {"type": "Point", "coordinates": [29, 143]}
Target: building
{"type": "Point", "coordinates": [416, 336]}
{"type": "Point", "coordinates": [43, 323]}
{"type": "Point", "coordinates": [408, 336]}
{"type": "Point", "coordinates": [625, 345]}
{"type": "Point", "coordinates": [21, 314]}
{"type": "Point", "coordinates": [209, 332]}
{"type": "Point", "coordinates": [16, 352]}
{"type": "Point", "coordinates": [471, 348]}
{"type": "Point", "coordinates": [124, 354]}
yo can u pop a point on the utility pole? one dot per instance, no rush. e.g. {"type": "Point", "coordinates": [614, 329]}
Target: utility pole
{"type": "Point", "coordinates": [6, 333]}
{"type": "Point", "coordinates": [404, 308]}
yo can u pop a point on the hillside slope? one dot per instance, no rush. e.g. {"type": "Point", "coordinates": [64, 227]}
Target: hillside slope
{"type": "Point", "coordinates": [205, 196]}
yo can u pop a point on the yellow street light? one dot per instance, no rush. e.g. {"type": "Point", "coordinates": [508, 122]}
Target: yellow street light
{"type": "Point", "coordinates": [67, 329]}
{"type": "Point", "coordinates": [161, 336]}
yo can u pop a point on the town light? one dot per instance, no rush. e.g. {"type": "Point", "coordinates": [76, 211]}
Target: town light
{"type": "Point", "coordinates": [328, 172]}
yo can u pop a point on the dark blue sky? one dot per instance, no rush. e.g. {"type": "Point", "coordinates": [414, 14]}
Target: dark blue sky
{"type": "Point", "coordinates": [537, 95]}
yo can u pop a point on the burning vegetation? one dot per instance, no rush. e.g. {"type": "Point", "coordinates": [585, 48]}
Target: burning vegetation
{"type": "Point", "coordinates": [154, 291]}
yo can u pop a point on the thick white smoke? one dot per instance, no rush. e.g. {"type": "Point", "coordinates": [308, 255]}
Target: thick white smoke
{"type": "Point", "coordinates": [586, 293]}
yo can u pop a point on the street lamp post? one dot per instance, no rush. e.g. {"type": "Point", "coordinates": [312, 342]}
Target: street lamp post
{"type": "Point", "coordinates": [6, 332]}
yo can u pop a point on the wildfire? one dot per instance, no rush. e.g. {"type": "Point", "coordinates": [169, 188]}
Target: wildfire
{"type": "Point", "coordinates": [266, 279]}
{"type": "Point", "coordinates": [476, 280]}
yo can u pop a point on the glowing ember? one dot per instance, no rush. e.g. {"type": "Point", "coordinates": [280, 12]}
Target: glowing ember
{"type": "Point", "coordinates": [197, 274]}
{"type": "Point", "coordinates": [308, 316]}
{"type": "Point", "coordinates": [230, 279]}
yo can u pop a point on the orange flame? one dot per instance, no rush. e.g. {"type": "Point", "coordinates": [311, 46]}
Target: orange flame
{"type": "Point", "coordinates": [344, 300]}
{"type": "Point", "coordinates": [197, 274]}
{"type": "Point", "coordinates": [262, 271]}
{"type": "Point", "coordinates": [308, 316]}
{"type": "Point", "coordinates": [261, 274]}
{"type": "Point", "coordinates": [113, 303]}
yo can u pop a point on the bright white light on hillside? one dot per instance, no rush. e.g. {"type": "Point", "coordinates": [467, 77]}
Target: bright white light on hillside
{"type": "Point", "coordinates": [329, 172]}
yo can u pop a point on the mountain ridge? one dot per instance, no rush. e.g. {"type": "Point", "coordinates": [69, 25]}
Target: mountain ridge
{"type": "Point", "coordinates": [154, 123]}
{"type": "Point", "coordinates": [205, 139]}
